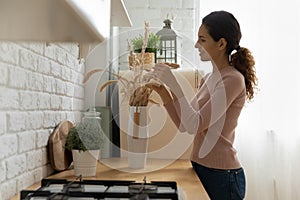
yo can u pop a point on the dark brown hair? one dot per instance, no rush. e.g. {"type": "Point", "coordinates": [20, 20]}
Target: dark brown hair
{"type": "Point", "coordinates": [222, 24]}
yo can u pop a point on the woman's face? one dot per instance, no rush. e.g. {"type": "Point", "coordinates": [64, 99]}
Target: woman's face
{"type": "Point", "coordinates": [208, 48]}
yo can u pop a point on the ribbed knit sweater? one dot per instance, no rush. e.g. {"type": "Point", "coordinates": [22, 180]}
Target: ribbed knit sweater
{"type": "Point", "coordinates": [212, 115]}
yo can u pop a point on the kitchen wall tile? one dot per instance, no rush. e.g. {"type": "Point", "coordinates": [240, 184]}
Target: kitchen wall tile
{"type": "Point", "coordinates": [3, 123]}
{"type": "Point", "coordinates": [37, 91]}
{"type": "Point", "coordinates": [9, 145]}
{"type": "Point", "coordinates": [16, 165]}
{"type": "Point", "coordinates": [3, 74]}
{"type": "Point", "coordinates": [26, 141]}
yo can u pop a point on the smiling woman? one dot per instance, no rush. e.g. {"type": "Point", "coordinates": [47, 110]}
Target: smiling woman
{"type": "Point", "coordinates": [270, 124]}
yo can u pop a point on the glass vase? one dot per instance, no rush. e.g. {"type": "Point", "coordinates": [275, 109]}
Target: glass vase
{"type": "Point", "coordinates": [137, 138]}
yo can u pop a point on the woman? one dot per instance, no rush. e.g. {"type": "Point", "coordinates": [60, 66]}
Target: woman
{"type": "Point", "coordinates": [213, 113]}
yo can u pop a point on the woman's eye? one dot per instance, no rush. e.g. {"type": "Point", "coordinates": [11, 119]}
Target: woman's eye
{"type": "Point", "coordinates": [201, 40]}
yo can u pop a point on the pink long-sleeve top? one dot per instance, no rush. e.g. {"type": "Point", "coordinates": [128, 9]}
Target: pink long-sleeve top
{"type": "Point", "coordinates": [212, 115]}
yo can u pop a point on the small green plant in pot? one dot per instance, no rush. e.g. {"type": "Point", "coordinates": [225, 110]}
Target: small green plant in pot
{"type": "Point", "coordinates": [149, 57]}
{"type": "Point", "coordinates": [84, 140]}
{"type": "Point", "coordinates": [83, 137]}
{"type": "Point", "coordinates": [153, 43]}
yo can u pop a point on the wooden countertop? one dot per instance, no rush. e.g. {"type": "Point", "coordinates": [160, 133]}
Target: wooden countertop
{"type": "Point", "coordinates": [156, 170]}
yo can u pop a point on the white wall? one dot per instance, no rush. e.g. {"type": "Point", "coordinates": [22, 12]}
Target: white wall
{"type": "Point", "coordinates": [40, 85]}
{"type": "Point", "coordinates": [104, 55]}
{"type": "Point", "coordinates": [98, 57]}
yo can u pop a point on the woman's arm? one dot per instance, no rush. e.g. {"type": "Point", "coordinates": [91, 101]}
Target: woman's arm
{"type": "Point", "coordinates": [222, 92]}
{"type": "Point", "coordinates": [168, 101]}
{"type": "Point", "coordinates": [170, 107]}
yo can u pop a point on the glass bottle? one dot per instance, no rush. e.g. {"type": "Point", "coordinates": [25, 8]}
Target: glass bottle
{"type": "Point", "coordinates": [91, 123]}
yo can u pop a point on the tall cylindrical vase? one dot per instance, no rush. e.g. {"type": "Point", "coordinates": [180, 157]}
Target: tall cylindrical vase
{"type": "Point", "coordinates": [137, 138]}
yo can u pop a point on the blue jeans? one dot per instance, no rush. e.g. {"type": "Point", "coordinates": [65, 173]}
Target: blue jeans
{"type": "Point", "coordinates": [222, 184]}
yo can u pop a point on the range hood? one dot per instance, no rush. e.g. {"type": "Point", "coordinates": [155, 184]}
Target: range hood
{"type": "Point", "coordinates": [83, 21]}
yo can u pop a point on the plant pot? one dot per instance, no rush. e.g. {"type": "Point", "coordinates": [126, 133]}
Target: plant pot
{"type": "Point", "coordinates": [137, 138]}
{"type": "Point", "coordinates": [85, 162]}
{"type": "Point", "coordinates": [149, 60]}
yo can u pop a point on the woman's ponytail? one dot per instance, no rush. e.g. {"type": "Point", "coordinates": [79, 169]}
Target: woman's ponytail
{"type": "Point", "coordinates": [222, 24]}
{"type": "Point", "coordinates": [244, 62]}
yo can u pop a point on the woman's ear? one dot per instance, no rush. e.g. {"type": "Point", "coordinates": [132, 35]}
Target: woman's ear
{"type": "Point", "coordinates": [222, 43]}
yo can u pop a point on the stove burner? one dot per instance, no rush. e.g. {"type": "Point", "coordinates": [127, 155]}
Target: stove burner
{"type": "Point", "coordinates": [61, 189]}
{"type": "Point", "coordinates": [140, 197]}
{"type": "Point", "coordinates": [142, 187]}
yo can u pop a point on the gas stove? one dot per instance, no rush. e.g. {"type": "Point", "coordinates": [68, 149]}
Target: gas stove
{"type": "Point", "coordinates": [62, 189]}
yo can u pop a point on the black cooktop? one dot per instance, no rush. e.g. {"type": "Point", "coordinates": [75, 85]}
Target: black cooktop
{"type": "Point", "coordinates": [57, 189]}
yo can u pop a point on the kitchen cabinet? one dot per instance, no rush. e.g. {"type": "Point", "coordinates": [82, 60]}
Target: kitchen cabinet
{"type": "Point", "coordinates": [61, 20]}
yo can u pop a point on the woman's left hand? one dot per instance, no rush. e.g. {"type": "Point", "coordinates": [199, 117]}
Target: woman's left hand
{"type": "Point", "coordinates": [162, 73]}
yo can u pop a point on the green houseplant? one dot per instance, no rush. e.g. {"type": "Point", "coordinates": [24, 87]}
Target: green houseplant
{"type": "Point", "coordinates": [153, 43]}
{"type": "Point", "coordinates": [83, 137]}
{"type": "Point", "coordinates": [84, 140]}
{"type": "Point", "coordinates": [149, 57]}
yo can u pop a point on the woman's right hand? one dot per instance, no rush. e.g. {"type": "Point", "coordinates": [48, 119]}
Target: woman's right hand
{"type": "Point", "coordinates": [165, 95]}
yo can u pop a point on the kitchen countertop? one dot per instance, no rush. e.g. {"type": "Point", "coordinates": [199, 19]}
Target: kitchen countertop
{"type": "Point", "coordinates": [156, 170]}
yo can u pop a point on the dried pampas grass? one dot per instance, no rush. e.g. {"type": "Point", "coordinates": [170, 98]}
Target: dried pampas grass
{"type": "Point", "coordinates": [107, 84]}
{"type": "Point", "coordinates": [136, 89]}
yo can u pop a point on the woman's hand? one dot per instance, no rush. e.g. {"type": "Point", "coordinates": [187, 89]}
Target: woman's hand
{"type": "Point", "coordinates": [163, 92]}
{"type": "Point", "coordinates": [140, 96]}
{"type": "Point", "coordinates": [162, 73]}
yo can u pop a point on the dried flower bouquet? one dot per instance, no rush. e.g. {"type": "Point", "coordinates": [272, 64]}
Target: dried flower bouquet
{"type": "Point", "coordinates": [136, 89]}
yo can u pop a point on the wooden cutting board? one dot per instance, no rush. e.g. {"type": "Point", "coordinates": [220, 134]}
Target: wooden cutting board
{"type": "Point", "coordinates": [60, 158]}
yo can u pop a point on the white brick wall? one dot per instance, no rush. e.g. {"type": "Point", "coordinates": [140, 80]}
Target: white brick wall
{"type": "Point", "coordinates": [165, 4]}
{"type": "Point", "coordinates": [40, 85]}
{"type": "Point", "coordinates": [9, 145]}
{"type": "Point", "coordinates": [8, 188]}
{"type": "Point", "coordinates": [27, 141]}
{"type": "Point", "coordinates": [2, 123]}
{"type": "Point", "coordinates": [3, 74]}
{"type": "Point", "coordinates": [16, 165]}
{"type": "Point", "coordinates": [2, 172]}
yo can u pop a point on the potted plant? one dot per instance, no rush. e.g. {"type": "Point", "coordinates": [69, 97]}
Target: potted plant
{"type": "Point", "coordinates": [84, 140]}
{"type": "Point", "coordinates": [153, 43]}
{"type": "Point", "coordinates": [136, 46]}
